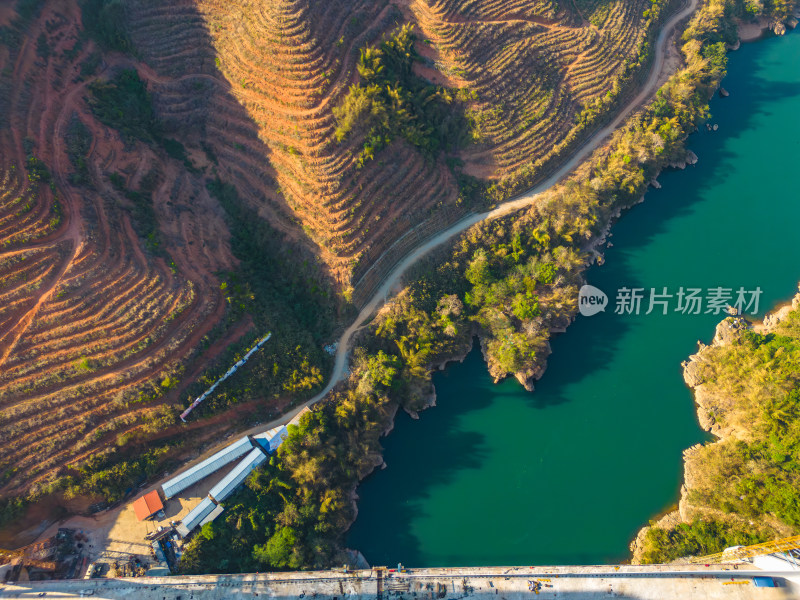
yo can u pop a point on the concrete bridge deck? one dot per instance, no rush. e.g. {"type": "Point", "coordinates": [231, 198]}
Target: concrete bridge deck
{"type": "Point", "coordinates": [659, 582]}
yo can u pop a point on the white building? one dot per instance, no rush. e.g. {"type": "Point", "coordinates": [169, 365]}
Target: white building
{"type": "Point", "coordinates": [202, 470]}
{"type": "Point", "coordinates": [197, 515]}
{"type": "Point", "coordinates": [239, 473]}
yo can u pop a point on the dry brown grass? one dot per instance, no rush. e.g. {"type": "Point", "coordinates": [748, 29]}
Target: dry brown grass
{"type": "Point", "coordinates": [89, 318]}
{"type": "Point", "coordinates": [271, 73]}
{"type": "Point", "coordinates": [276, 70]}
{"type": "Point", "coordinates": [533, 65]}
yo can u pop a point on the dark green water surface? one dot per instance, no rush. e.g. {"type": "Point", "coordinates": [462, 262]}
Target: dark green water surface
{"type": "Point", "coordinates": [495, 475]}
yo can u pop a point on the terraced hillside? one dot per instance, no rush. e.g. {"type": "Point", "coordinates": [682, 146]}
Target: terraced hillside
{"type": "Point", "coordinates": [90, 320]}
{"type": "Point", "coordinates": [114, 241]}
{"type": "Point", "coordinates": [544, 73]}
{"type": "Point", "coordinates": [270, 74]}
{"type": "Point", "coordinates": [260, 82]}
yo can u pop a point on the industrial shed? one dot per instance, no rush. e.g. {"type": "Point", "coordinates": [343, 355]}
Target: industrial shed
{"type": "Point", "coordinates": [270, 440]}
{"type": "Point", "coordinates": [195, 516]}
{"type": "Point", "coordinates": [212, 515]}
{"type": "Point", "coordinates": [148, 505]}
{"type": "Point", "coordinates": [239, 473]}
{"type": "Point", "coordinates": [200, 471]}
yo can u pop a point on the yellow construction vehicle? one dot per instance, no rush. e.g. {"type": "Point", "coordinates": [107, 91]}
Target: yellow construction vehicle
{"type": "Point", "coordinates": [741, 552]}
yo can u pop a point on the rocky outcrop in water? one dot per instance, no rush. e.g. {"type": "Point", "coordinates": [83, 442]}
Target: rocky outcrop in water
{"type": "Point", "coordinates": [771, 320]}
{"type": "Point", "coordinates": [690, 159]}
{"type": "Point", "coordinates": [528, 376]}
{"type": "Point", "coordinates": [711, 410]}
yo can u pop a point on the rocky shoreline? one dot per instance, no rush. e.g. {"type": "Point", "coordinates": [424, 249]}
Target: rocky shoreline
{"type": "Point", "coordinates": [747, 32]}
{"type": "Point", "coordinates": [704, 401]}
{"type": "Point", "coordinates": [711, 409]}
{"type": "Point", "coordinates": [378, 462]}
{"type": "Point", "coordinates": [755, 30]}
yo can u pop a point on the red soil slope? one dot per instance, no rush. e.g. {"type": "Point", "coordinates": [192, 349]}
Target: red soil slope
{"type": "Point", "coordinates": [88, 318]}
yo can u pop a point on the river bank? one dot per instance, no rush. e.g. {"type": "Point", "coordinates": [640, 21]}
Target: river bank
{"type": "Point", "coordinates": [706, 403]}
{"type": "Point", "coordinates": [516, 278]}
{"type": "Point", "coordinates": [717, 414]}
{"type": "Point", "coordinates": [576, 385]}
{"type": "Point", "coordinates": [752, 31]}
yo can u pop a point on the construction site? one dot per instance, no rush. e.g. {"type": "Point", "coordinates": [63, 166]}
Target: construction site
{"type": "Point", "coordinates": [767, 570]}
{"type": "Point", "coordinates": [145, 536]}
{"type": "Point", "coordinates": [659, 582]}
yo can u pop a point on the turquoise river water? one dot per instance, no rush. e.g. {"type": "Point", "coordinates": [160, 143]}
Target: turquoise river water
{"type": "Point", "coordinates": [494, 475]}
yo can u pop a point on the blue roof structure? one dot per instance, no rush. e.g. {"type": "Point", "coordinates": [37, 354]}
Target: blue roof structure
{"type": "Point", "coordinates": [270, 440]}
{"type": "Point", "coordinates": [760, 581]}
{"type": "Point", "coordinates": [212, 515]}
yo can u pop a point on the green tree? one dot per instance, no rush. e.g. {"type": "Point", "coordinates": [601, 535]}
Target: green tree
{"type": "Point", "coordinates": [106, 22]}
{"type": "Point", "coordinates": [279, 550]}
{"type": "Point", "coordinates": [526, 307]}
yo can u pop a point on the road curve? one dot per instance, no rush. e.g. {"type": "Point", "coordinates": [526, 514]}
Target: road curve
{"type": "Point", "coordinates": [525, 199]}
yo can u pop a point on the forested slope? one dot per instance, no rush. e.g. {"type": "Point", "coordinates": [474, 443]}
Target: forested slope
{"type": "Point", "coordinates": [176, 179]}
{"type": "Point", "coordinates": [513, 282]}
{"type": "Point", "coordinates": [744, 487]}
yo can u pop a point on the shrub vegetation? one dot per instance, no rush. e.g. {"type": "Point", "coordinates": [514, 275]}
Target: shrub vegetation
{"type": "Point", "coordinates": [390, 100]}
{"type": "Point", "coordinates": [106, 22]}
{"type": "Point", "coordinates": [752, 475]}
{"type": "Point", "coordinates": [513, 280]}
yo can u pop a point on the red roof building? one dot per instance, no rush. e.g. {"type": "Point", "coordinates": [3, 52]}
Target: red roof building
{"type": "Point", "coordinates": [148, 505]}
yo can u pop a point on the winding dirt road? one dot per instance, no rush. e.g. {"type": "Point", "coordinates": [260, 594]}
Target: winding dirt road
{"type": "Point", "coordinates": [525, 199]}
